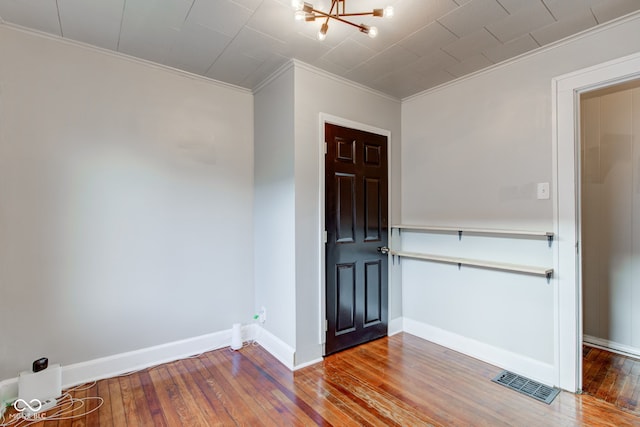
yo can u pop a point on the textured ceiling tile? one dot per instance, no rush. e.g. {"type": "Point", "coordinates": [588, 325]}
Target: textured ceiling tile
{"type": "Point", "coordinates": [256, 44]}
{"type": "Point", "coordinates": [471, 44]}
{"type": "Point", "coordinates": [565, 27]}
{"type": "Point", "coordinates": [561, 9]}
{"type": "Point", "coordinates": [384, 63]}
{"type": "Point", "coordinates": [415, 14]}
{"type": "Point", "coordinates": [349, 54]}
{"type": "Point", "coordinates": [40, 15]}
{"type": "Point", "coordinates": [435, 78]}
{"type": "Point", "coordinates": [428, 65]}
{"type": "Point", "coordinates": [436, 60]}
{"type": "Point", "coordinates": [415, 78]}
{"type": "Point", "coordinates": [429, 38]}
{"type": "Point", "coordinates": [273, 18]}
{"type": "Point", "coordinates": [513, 6]}
{"type": "Point", "coordinates": [363, 75]}
{"type": "Point", "coordinates": [468, 66]}
{"type": "Point", "coordinates": [511, 49]}
{"type": "Point", "coordinates": [155, 13]}
{"type": "Point", "coordinates": [243, 41]}
{"type": "Point", "coordinates": [610, 9]}
{"type": "Point", "coordinates": [233, 67]}
{"type": "Point", "coordinates": [306, 49]}
{"type": "Point", "coordinates": [250, 4]}
{"type": "Point", "coordinates": [222, 16]}
{"type": "Point", "coordinates": [526, 19]}
{"type": "Point", "coordinates": [155, 49]}
{"type": "Point", "coordinates": [398, 84]}
{"type": "Point", "coordinates": [150, 28]}
{"type": "Point", "coordinates": [96, 22]}
{"type": "Point", "coordinates": [196, 48]}
{"type": "Point", "coordinates": [473, 16]}
{"type": "Point", "coordinates": [330, 67]}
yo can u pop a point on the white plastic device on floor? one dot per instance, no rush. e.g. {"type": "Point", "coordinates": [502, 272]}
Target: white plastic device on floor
{"type": "Point", "coordinates": [38, 391]}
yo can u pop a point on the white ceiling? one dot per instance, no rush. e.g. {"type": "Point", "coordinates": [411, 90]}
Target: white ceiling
{"type": "Point", "coordinates": [242, 42]}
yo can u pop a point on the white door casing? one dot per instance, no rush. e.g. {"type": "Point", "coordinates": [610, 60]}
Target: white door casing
{"type": "Point", "coordinates": [566, 92]}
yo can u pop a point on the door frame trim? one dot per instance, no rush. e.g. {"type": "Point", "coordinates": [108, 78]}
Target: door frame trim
{"type": "Point", "coordinates": [325, 118]}
{"type": "Point", "coordinates": [566, 91]}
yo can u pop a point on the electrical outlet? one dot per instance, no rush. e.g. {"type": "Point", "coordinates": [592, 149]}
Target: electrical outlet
{"type": "Point", "coordinates": [262, 315]}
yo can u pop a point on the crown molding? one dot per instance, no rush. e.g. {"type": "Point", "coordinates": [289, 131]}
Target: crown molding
{"type": "Point", "coordinates": [122, 56]}
{"type": "Point", "coordinates": [295, 63]}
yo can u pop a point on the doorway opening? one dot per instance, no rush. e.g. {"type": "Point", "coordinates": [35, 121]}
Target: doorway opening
{"type": "Point", "coordinates": [566, 92]}
{"type": "Point", "coordinates": [609, 194]}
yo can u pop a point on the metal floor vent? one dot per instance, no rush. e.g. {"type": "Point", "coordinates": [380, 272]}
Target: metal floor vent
{"type": "Point", "coordinates": [526, 386]}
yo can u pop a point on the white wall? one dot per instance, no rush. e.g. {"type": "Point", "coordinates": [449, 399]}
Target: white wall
{"type": "Point", "coordinates": [288, 164]}
{"type": "Point", "coordinates": [315, 93]}
{"type": "Point", "coordinates": [274, 214]}
{"type": "Point", "coordinates": [126, 198]}
{"type": "Point", "coordinates": [472, 153]}
{"type": "Point", "coordinates": [610, 135]}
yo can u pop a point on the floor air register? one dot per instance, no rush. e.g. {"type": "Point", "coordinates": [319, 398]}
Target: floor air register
{"type": "Point", "coordinates": [527, 387]}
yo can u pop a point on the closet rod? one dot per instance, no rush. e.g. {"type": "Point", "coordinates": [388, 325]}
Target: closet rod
{"type": "Point", "coordinates": [541, 271]}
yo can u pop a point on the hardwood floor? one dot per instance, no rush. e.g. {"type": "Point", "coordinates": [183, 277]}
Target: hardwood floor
{"type": "Point", "coordinates": [611, 377]}
{"type": "Point", "coordinates": [401, 380]}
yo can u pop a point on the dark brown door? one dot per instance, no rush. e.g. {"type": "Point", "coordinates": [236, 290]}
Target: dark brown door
{"type": "Point", "coordinates": [356, 225]}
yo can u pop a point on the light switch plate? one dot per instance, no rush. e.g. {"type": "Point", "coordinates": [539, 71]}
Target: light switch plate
{"type": "Point", "coordinates": [543, 191]}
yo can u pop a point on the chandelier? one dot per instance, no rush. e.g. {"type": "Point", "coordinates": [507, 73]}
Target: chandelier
{"type": "Point", "coordinates": [305, 11]}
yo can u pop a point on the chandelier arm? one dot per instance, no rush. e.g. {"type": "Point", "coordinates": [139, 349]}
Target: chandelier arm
{"type": "Point", "coordinates": [334, 3]}
{"type": "Point", "coordinates": [337, 18]}
{"type": "Point", "coordinates": [356, 14]}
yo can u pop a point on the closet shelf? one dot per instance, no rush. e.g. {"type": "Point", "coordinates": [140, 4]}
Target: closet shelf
{"type": "Point", "coordinates": [542, 271]}
{"type": "Point", "coordinates": [490, 231]}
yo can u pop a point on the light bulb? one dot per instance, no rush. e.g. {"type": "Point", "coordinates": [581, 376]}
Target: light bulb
{"type": "Point", "coordinates": [373, 32]}
{"type": "Point", "coordinates": [297, 4]}
{"type": "Point", "coordinates": [300, 15]}
{"type": "Point", "coordinates": [322, 34]}
{"type": "Point", "coordinates": [388, 12]}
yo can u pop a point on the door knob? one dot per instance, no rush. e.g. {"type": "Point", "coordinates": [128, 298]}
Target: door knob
{"type": "Point", "coordinates": [383, 250]}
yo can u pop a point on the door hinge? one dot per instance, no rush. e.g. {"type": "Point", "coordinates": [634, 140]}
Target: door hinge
{"type": "Point", "coordinates": [326, 325]}
{"type": "Point", "coordinates": [325, 148]}
{"type": "Point", "coordinates": [325, 236]}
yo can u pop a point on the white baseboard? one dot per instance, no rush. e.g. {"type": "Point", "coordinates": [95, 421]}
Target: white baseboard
{"type": "Point", "coordinates": [309, 363]}
{"type": "Point", "coordinates": [612, 346]}
{"type": "Point", "coordinates": [521, 365]}
{"type": "Point", "coordinates": [278, 348]}
{"type": "Point", "coordinates": [118, 364]}
{"type": "Point", "coordinates": [395, 326]}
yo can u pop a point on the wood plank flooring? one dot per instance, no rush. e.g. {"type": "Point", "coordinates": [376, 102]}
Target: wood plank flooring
{"type": "Point", "coordinates": [611, 377]}
{"type": "Point", "coordinates": [396, 381]}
